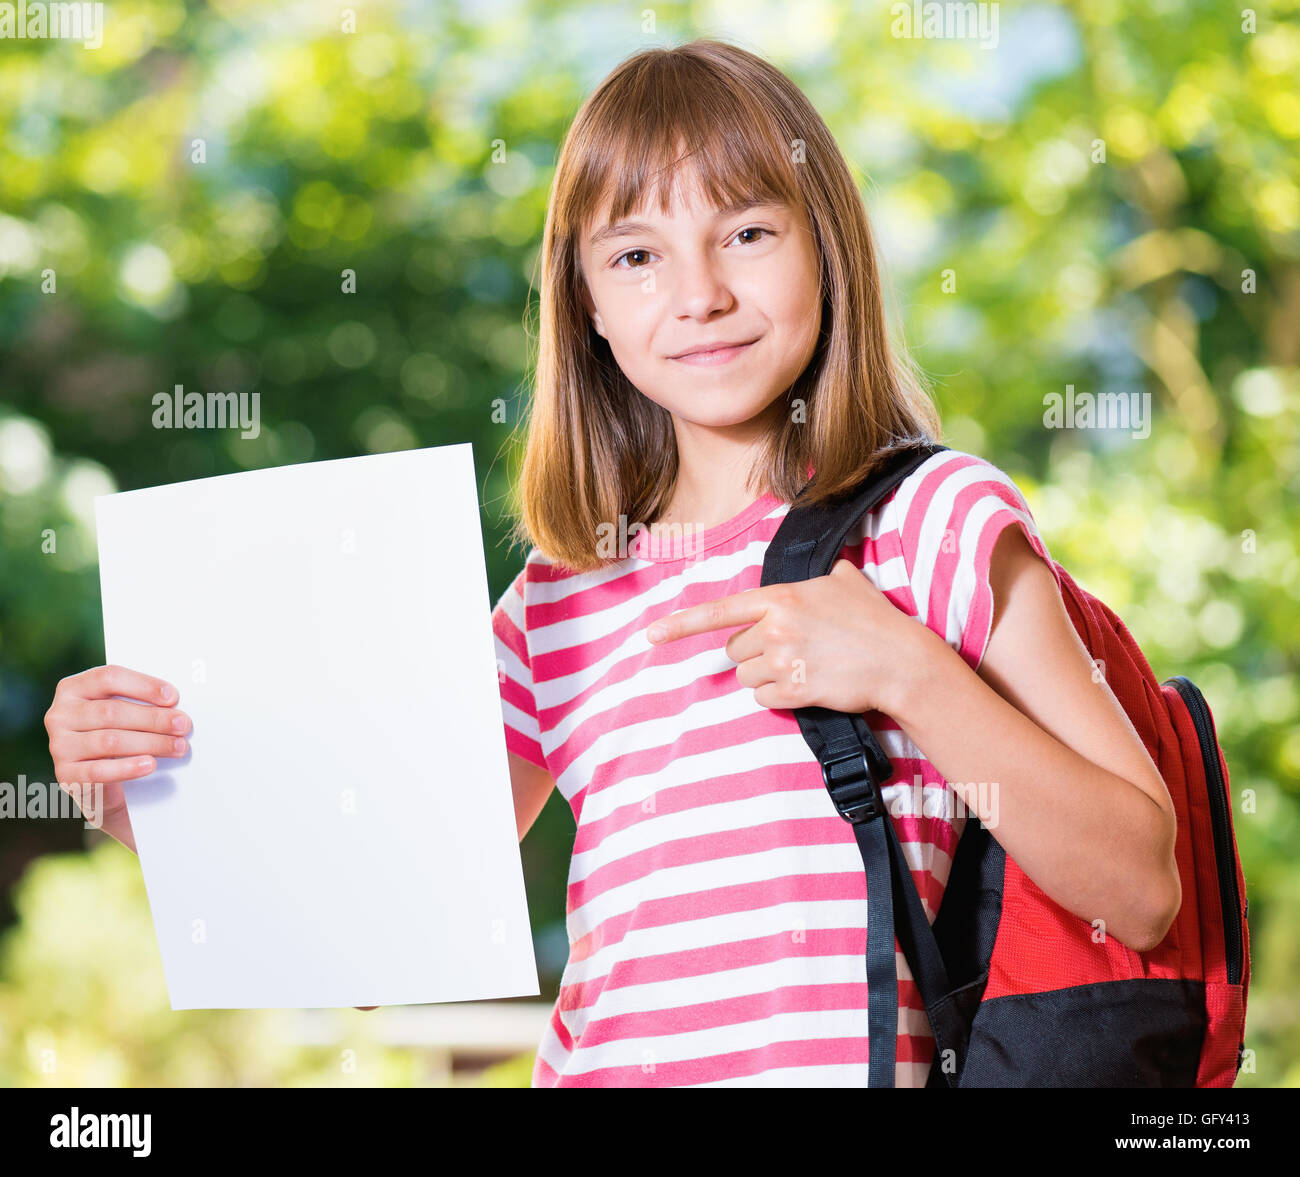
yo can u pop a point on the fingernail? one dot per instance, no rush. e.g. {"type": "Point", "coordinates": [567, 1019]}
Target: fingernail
{"type": "Point", "coordinates": [178, 723]}
{"type": "Point", "coordinates": [145, 763]}
{"type": "Point", "coordinates": [167, 694]}
{"type": "Point", "coordinates": [655, 632]}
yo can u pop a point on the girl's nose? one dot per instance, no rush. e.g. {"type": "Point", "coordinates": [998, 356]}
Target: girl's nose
{"type": "Point", "coordinates": [700, 287]}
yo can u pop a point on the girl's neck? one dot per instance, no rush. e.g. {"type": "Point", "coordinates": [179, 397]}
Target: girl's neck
{"type": "Point", "coordinates": [706, 508]}
{"type": "Point", "coordinates": [712, 468]}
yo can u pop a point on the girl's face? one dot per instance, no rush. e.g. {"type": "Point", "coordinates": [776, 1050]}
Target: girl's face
{"type": "Point", "coordinates": [660, 286]}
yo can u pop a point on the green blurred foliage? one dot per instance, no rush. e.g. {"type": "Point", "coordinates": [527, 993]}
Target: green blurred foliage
{"type": "Point", "coordinates": [1109, 199]}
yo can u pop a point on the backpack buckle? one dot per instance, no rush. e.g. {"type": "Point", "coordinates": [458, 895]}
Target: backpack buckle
{"type": "Point", "coordinates": [854, 791]}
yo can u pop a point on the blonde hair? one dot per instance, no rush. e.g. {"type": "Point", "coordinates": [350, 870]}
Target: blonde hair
{"type": "Point", "coordinates": [596, 447]}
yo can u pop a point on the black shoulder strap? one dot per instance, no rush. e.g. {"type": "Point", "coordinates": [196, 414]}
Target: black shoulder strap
{"type": "Point", "coordinates": [807, 544]}
{"type": "Point", "coordinates": [821, 529]}
{"type": "Point", "coordinates": [854, 766]}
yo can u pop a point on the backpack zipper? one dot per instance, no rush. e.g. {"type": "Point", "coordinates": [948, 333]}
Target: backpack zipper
{"type": "Point", "coordinates": [1225, 861]}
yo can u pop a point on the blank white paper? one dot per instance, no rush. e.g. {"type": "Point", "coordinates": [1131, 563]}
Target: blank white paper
{"type": "Point", "coordinates": [341, 830]}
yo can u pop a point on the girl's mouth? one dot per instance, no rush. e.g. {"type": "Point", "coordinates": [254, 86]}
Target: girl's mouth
{"type": "Point", "coordinates": [709, 359]}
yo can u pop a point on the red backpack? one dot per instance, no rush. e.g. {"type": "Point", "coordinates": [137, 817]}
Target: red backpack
{"type": "Point", "coordinates": [1018, 990]}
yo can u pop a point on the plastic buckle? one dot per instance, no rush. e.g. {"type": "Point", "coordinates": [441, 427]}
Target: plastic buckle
{"type": "Point", "coordinates": [858, 798]}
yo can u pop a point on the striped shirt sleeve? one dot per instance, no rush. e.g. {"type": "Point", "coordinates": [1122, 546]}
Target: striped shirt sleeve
{"type": "Point", "coordinates": [953, 509]}
{"type": "Point", "coordinates": [515, 675]}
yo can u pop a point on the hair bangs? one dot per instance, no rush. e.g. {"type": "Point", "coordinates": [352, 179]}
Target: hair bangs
{"type": "Point", "coordinates": [658, 126]}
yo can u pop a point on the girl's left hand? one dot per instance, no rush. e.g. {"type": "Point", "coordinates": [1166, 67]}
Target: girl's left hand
{"type": "Point", "coordinates": [833, 641]}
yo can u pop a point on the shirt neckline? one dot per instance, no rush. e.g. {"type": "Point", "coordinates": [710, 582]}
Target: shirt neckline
{"type": "Point", "coordinates": [690, 545]}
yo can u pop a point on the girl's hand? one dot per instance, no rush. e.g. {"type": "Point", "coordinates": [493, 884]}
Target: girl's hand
{"type": "Point", "coordinates": [96, 739]}
{"type": "Point", "coordinates": [833, 641]}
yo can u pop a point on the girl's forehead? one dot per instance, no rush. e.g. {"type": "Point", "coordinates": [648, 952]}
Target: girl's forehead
{"type": "Point", "coordinates": [682, 205]}
{"type": "Point", "coordinates": [684, 189]}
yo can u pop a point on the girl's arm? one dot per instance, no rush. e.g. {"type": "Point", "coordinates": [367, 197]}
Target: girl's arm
{"type": "Point", "coordinates": [531, 787]}
{"type": "Point", "coordinates": [1079, 804]}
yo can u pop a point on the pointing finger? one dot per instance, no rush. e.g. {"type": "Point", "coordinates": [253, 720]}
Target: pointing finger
{"type": "Point", "coordinates": [739, 609]}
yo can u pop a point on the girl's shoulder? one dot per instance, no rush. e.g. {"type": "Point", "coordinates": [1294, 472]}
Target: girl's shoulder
{"type": "Point", "coordinates": [945, 519]}
{"type": "Point", "coordinates": [540, 583]}
{"type": "Point", "coordinates": [511, 601]}
{"type": "Point", "coordinates": [950, 468]}
{"type": "Point", "coordinates": [539, 571]}
{"type": "Point", "coordinates": [947, 502]}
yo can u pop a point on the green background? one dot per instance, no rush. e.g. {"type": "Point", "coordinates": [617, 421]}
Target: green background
{"type": "Point", "coordinates": [1109, 198]}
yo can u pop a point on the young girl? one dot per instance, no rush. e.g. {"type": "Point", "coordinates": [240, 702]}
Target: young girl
{"type": "Point", "coordinates": [712, 334]}
{"type": "Point", "coordinates": [702, 355]}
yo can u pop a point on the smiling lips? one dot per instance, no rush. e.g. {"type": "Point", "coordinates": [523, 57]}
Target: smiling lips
{"type": "Point", "coordinates": [721, 354]}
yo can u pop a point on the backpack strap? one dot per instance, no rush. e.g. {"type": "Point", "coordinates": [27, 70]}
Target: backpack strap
{"type": "Point", "coordinates": [854, 766]}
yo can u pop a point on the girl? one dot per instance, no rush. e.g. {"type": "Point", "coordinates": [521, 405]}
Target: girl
{"type": "Point", "coordinates": [701, 355]}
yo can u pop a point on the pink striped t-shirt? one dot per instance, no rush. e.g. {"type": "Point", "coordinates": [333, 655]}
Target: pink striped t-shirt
{"type": "Point", "coordinates": [716, 904]}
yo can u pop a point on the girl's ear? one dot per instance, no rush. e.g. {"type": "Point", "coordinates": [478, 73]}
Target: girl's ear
{"type": "Point", "coordinates": [592, 312]}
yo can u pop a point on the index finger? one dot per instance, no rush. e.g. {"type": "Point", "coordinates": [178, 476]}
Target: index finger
{"type": "Point", "coordinates": [738, 609]}
{"type": "Point", "coordinates": [103, 682]}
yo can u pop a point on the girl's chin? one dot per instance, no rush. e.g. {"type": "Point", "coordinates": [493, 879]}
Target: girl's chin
{"type": "Point", "coordinates": [716, 421]}
{"type": "Point", "coordinates": [720, 409]}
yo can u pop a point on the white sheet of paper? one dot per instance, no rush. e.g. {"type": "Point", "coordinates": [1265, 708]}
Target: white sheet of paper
{"type": "Point", "coordinates": [341, 830]}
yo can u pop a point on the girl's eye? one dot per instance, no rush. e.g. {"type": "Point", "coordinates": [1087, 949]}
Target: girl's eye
{"type": "Point", "coordinates": [617, 262]}
{"type": "Point", "coordinates": [629, 253]}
